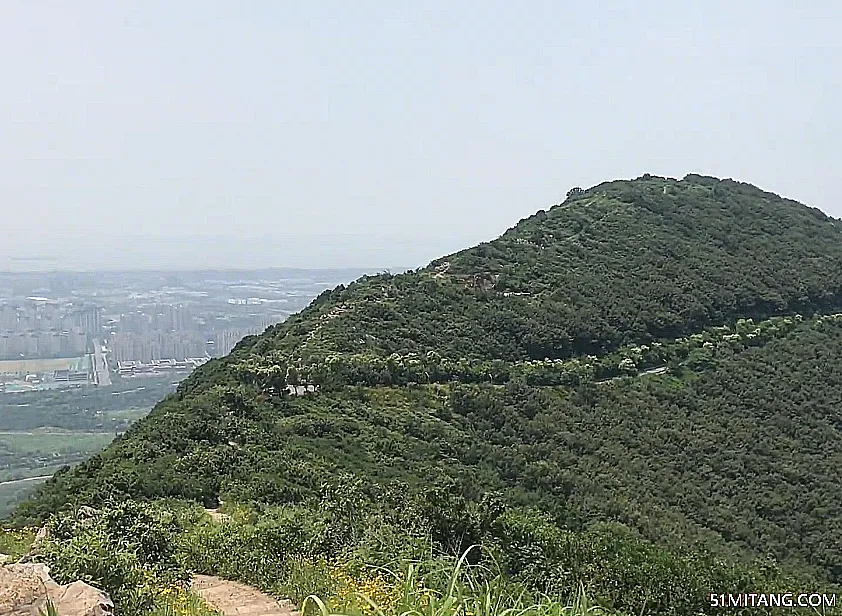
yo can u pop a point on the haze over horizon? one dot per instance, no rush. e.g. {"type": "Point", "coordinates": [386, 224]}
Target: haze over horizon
{"type": "Point", "coordinates": [137, 253]}
{"type": "Point", "coordinates": [268, 134]}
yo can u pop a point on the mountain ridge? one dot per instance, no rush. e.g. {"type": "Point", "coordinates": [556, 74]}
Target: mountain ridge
{"type": "Point", "coordinates": [673, 287]}
{"type": "Point", "coordinates": [501, 368]}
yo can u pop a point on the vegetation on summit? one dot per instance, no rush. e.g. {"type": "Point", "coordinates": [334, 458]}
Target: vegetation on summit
{"type": "Point", "coordinates": [634, 394]}
{"type": "Point", "coordinates": [622, 262]}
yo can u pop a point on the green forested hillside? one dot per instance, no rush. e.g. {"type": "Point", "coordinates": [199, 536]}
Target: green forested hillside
{"type": "Point", "coordinates": [657, 354]}
{"type": "Point", "coordinates": [742, 451]}
{"type": "Point", "coordinates": [621, 262]}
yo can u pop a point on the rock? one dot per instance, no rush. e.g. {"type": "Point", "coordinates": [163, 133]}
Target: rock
{"type": "Point", "coordinates": [42, 535]}
{"type": "Point", "coordinates": [25, 589]}
{"type": "Point", "coordinates": [81, 599]}
{"type": "Point", "coordinates": [5, 558]}
{"type": "Point", "coordinates": [217, 516]}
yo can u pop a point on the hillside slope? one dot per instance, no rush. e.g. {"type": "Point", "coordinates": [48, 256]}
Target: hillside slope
{"type": "Point", "coordinates": [622, 262]}
{"type": "Point", "coordinates": [437, 377]}
{"type": "Point", "coordinates": [739, 447]}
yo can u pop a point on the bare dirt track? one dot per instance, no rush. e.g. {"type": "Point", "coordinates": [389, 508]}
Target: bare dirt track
{"type": "Point", "coordinates": [235, 599]}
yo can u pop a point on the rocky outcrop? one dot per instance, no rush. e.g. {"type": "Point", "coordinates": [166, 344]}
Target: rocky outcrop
{"type": "Point", "coordinates": [81, 599]}
{"type": "Point", "coordinates": [217, 516]}
{"type": "Point", "coordinates": [42, 535]}
{"type": "Point", "coordinates": [26, 588]}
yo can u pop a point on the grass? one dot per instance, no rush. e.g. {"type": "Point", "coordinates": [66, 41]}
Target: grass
{"type": "Point", "coordinates": [348, 586]}
{"type": "Point", "coordinates": [33, 454]}
{"type": "Point", "coordinates": [13, 493]}
{"type": "Point", "coordinates": [15, 542]}
{"type": "Point", "coordinates": [179, 601]}
{"type": "Point", "coordinates": [27, 471]}
{"type": "Point", "coordinates": [14, 366]}
{"type": "Point", "coordinates": [418, 589]}
{"type": "Point", "coordinates": [41, 452]}
{"type": "Point", "coordinates": [461, 590]}
{"type": "Point", "coordinates": [172, 602]}
{"type": "Point", "coordinates": [130, 413]}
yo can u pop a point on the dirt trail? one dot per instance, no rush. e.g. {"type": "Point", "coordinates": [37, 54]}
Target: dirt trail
{"type": "Point", "coordinates": [217, 516]}
{"type": "Point", "coordinates": [235, 599]}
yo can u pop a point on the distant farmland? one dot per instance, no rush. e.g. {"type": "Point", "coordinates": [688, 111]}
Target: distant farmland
{"type": "Point", "coordinates": [40, 366]}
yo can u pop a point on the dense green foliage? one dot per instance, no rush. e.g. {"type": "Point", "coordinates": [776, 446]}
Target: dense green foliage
{"type": "Point", "coordinates": [622, 262]}
{"type": "Point", "coordinates": [737, 447]}
{"type": "Point", "coordinates": [272, 372]}
{"type": "Point", "coordinates": [13, 493]}
{"type": "Point", "coordinates": [128, 550]}
{"type": "Point", "coordinates": [650, 374]}
{"type": "Point", "coordinates": [15, 542]}
{"type": "Point", "coordinates": [354, 540]}
{"type": "Point", "coordinates": [25, 454]}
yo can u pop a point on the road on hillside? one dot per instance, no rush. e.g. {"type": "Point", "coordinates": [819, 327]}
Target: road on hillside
{"type": "Point", "coordinates": [102, 376]}
{"type": "Point", "coordinates": [14, 481]}
{"type": "Point", "coordinates": [658, 370]}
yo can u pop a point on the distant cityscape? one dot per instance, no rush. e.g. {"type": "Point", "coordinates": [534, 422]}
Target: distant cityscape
{"type": "Point", "coordinates": [40, 327]}
{"type": "Point", "coordinates": [67, 329]}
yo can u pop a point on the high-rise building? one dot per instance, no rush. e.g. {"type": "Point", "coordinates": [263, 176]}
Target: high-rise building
{"type": "Point", "coordinates": [169, 318]}
{"type": "Point", "coordinates": [8, 317]}
{"type": "Point", "coordinates": [227, 339]}
{"type": "Point", "coordinates": [48, 344]}
{"type": "Point", "coordinates": [130, 346]}
{"type": "Point", "coordinates": [182, 319]}
{"type": "Point", "coordinates": [15, 347]}
{"type": "Point", "coordinates": [136, 322]}
{"type": "Point", "coordinates": [89, 319]}
{"type": "Point", "coordinates": [30, 344]}
{"type": "Point", "coordinates": [72, 342]}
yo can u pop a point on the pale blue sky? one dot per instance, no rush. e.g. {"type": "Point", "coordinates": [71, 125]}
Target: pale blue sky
{"type": "Point", "coordinates": [413, 120]}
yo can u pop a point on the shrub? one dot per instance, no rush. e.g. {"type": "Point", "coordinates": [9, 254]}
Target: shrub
{"type": "Point", "coordinates": [128, 550]}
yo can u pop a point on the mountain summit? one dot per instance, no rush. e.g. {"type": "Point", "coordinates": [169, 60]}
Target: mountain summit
{"type": "Point", "coordinates": [624, 261]}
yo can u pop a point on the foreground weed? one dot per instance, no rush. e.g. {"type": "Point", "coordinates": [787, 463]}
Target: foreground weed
{"type": "Point", "coordinates": [422, 590]}
{"type": "Point", "coordinates": [15, 542]}
{"type": "Point", "coordinates": [180, 601]}
{"type": "Point", "coordinates": [48, 610]}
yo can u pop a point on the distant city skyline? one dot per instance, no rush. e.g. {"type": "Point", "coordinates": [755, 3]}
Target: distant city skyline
{"type": "Point", "coordinates": [61, 330]}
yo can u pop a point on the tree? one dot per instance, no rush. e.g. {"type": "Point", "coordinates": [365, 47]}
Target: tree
{"type": "Point", "coordinates": [627, 366]}
{"type": "Point", "coordinates": [574, 192]}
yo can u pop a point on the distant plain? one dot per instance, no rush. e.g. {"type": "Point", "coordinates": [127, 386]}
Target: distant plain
{"type": "Point", "coordinates": [40, 432]}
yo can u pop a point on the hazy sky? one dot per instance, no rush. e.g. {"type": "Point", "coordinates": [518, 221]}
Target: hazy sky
{"type": "Point", "coordinates": [447, 120]}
